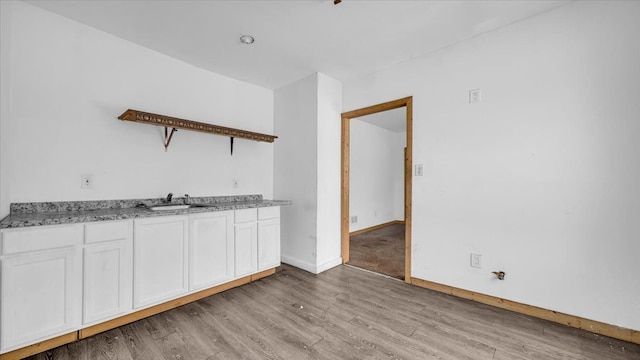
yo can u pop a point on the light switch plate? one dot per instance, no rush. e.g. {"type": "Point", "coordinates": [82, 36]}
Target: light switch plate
{"type": "Point", "coordinates": [419, 170]}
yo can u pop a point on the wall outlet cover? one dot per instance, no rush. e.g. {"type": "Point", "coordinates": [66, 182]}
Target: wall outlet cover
{"type": "Point", "coordinates": [476, 260]}
{"type": "Point", "coordinates": [86, 181]}
{"type": "Point", "coordinates": [475, 96]}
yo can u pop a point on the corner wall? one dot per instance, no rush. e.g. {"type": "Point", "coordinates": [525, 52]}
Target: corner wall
{"type": "Point", "coordinates": [70, 82]}
{"type": "Point", "coordinates": [329, 158]}
{"type": "Point", "coordinates": [307, 171]}
{"type": "Point", "coordinates": [295, 173]}
{"type": "Point", "coordinates": [541, 178]}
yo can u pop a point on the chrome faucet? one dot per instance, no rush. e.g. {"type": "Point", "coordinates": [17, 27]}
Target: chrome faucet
{"type": "Point", "coordinates": [169, 197]}
{"type": "Point", "coordinates": [187, 200]}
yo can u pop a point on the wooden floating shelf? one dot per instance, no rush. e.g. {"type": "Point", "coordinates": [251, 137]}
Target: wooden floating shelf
{"type": "Point", "coordinates": [177, 123]}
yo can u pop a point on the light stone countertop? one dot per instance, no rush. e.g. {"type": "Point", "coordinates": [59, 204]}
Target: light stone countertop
{"type": "Point", "coordinates": [56, 213]}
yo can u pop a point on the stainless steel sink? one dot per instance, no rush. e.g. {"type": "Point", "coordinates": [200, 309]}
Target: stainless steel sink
{"type": "Point", "coordinates": [173, 207]}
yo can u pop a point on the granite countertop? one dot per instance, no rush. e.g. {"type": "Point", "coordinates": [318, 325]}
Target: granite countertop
{"type": "Point", "coordinates": [55, 213]}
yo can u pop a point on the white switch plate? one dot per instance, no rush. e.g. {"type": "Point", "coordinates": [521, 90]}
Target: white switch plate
{"type": "Point", "coordinates": [86, 182]}
{"type": "Point", "coordinates": [476, 260]}
{"type": "Point", "coordinates": [354, 219]}
{"type": "Point", "coordinates": [474, 96]}
{"type": "Point", "coordinates": [235, 183]}
{"type": "Point", "coordinates": [419, 170]}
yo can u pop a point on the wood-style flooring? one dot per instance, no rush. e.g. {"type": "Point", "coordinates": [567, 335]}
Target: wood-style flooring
{"type": "Point", "coordinates": [380, 250]}
{"type": "Point", "coordinates": [344, 313]}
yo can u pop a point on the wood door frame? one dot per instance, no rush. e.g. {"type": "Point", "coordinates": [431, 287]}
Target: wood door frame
{"type": "Point", "coordinates": [408, 165]}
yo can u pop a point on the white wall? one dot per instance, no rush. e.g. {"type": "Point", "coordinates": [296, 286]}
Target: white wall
{"type": "Point", "coordinates": [376, 177]}
{"type": "Point", "coordinates": [6, 9]}
{"type": "Point", "coordinates": [307, 171]}
{"type": "Point", "coordinates": [69, 82]}
{"type": "Point", "coordinates": [295, 175]}
{"type": "Point", "coordinates": [541, 178]}
{"type": "Point", "coordinates": [329, 158]}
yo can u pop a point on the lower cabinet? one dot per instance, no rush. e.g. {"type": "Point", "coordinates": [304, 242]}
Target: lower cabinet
{"type": "Point", "coordinates": [55, 280]}
{"type": "Point", "coordinates": [41, 277]}
{"type": "Point", "coordinates": [210, 249]}
{"type": "Point", "coordinates": [246, 242]}
{"type": "Point", "coordinates": [257, 240]}
{"type": "Point", "coordinates": [108, 270]}
{"type": "Point", "coordinates": [268, 238]}
{"type": "Point", "coordinates": [159, 259]}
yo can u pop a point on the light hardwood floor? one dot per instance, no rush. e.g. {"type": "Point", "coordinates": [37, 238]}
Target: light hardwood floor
{"type": "Point", "coordinates": [344, 313]}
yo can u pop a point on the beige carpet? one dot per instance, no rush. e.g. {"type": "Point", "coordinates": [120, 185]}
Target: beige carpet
{"type": "Point", "coordinates": [380, 250]}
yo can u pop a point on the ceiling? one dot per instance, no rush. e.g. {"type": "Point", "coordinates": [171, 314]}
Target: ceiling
{"type": "Point", "coordinates": [394, 120]}
{"type": "Point", "coordinates": [294, 39]}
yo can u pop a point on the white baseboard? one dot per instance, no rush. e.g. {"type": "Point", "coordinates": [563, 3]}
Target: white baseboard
{"type": "Point", "coordinates": [298, 263]}
{"type": "Point", "coordinates": [328, 265]}
{"type": "Point", "coordinates": [312, 268]}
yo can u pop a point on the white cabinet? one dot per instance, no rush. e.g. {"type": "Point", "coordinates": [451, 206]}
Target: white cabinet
{"type": "Point", "coordinates": [41, 280]}
{"type": "Point", "coordinates": [246, 242]}
{"type": "Point", "coordinates": [55, 280]}
{"type": "Point", "coordinates": [257, 240]}
{"type": "Point", "coordinates": [108, 273]}
{"type": "Point", "coordinates": [268, 238]}
{"type": "Point", "coordinates": [210, 249]}
{"type": "Point", "coordinates": [159, 259]}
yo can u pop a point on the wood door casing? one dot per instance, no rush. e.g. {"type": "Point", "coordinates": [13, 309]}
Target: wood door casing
{"type": "Point", "coordinates": [345, 164]}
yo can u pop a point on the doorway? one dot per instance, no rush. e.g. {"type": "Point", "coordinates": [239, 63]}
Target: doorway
{"type": "Point", "coordinates": [407, 104]}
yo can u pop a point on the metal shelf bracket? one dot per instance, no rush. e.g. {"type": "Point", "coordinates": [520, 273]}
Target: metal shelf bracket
{"type": "Point", "coordinates": [167, 139]}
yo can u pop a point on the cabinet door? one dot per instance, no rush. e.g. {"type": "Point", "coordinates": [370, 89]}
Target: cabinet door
{"type": "Point", "coordinates": [107, 280]}
{"type": "Point", "coordinates": [245, 247]}
{"type": "Point", "coordinates": [268, 244]}
{"type": "Point", "coordinates": [108, 270]}
{"type": "Point", "coordinates": [41, 296]}
{"type": "Point", "coordinates": [159, 259]}
{"type": "Point", "coordinates": [210, 249]}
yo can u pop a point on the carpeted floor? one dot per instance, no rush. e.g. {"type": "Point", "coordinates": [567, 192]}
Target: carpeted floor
{"type": "Point", "coordinates": [380, 250]}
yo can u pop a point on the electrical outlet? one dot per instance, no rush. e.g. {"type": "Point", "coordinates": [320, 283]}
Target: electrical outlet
{"type": "Point", "coordinates": [86, 182]}
{"type": "Point", "coordinates": [235, 183]}
{"type": "Point", "coordinates": [476, 260]}
{"type": "Point", "coordinates": [474, 96]}
{"type": "Point", "coordinates": [419, 170]}
{"type": "Point", "coordinates": [354, 219]}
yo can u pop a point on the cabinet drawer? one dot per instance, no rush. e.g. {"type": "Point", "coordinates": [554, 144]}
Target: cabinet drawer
{"type": "Point", "coordinates": [40, 238]}
{"type": "Point", "coordinates": [246, 215]}
{"type": "Point", "coordinates": [272, 212]}
{"type": "Point", "coordinates": [107, 231]}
